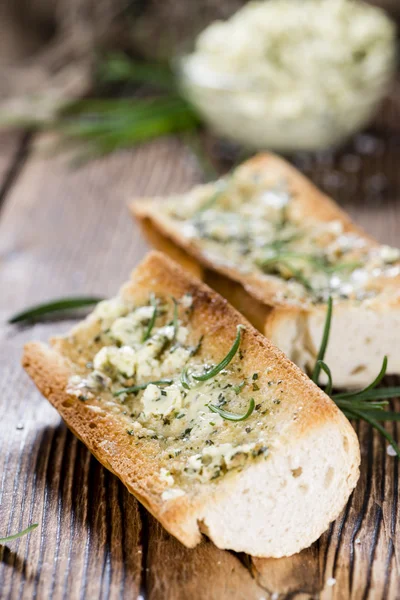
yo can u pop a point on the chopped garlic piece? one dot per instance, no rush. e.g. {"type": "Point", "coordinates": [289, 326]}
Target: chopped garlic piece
{"type": "Point", "coordinates": [129, 330]}
{"type": "Point", "coordinates": [187, 301]}
{"type": "Point", "coordinates": [172, 494]}
{"type": "Point", "coordinates": [166, 477]}
{"type": "Point", "coordinates": [157, 401]}
{"type": "Point", "coordinates": [110, 359]}
{"type": "Point", "coordinates": [109, 310]}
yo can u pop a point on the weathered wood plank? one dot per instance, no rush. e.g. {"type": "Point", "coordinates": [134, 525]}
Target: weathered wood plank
{"type": "Point", "coordinates": [66, 231]}
{"type": "Point", "coordinates": [201, 573]}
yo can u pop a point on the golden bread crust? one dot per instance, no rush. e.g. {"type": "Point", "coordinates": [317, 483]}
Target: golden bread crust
{"type": "Point", "coordinates": [136, 463]}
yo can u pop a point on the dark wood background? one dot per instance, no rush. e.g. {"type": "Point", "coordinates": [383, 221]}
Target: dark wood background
{"type": "Point", "coordinates": [66, 231]}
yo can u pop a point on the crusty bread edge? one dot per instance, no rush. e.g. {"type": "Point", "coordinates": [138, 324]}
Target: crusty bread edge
{"type": "Point", "coordinates": [313, 202]}
{"type": "Point", "coordinates": [50, 372]}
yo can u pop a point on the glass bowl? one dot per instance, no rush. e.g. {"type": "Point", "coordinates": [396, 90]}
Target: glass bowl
{"type": "Point", "coordinates": [285, 119]}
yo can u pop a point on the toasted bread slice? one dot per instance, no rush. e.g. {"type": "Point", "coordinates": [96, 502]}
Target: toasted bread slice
{"type": "Point", "coordinates": [280, 248]}
{"type": "Point", "coordinates": [268, 484]}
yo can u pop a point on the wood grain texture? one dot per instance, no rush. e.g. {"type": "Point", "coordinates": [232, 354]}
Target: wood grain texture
{"type": "Point", "coordinates": [66, 231]}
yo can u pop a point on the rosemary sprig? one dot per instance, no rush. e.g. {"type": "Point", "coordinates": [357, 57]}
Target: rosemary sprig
{"type": "Point", "coordinates": [142, 386]}
{"type": "Point", "coordinates": [152, 321]}
{"type": "Point", "coordinates": [37, 312]}
{"type": "Point", "coordinates": [376, 394]}
{"type": "Point", "coordinates": [369, 388]}
{"type": "Point", "coordinates": [15, 536]}
{"type": "Point", "coordinates": [232, 416]}
{"type": "Point", "coordinates": [225, 361]}
{"type": "Point", "coordinates": [365, 416]}
{"type": "Point", "coordinates": [324, 342]}
{"type": "Point", "coordinates": [378, 415]}
{"type": "Point", "coordinates": [106, 124]}
{"type": "Point", "coordinates": [367, 404]}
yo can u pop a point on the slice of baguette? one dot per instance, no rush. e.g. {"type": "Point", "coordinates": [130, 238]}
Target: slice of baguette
{"type": "Point", "coordinates": [273, 502]}
{"type": "Point", "coordinates": [363, 331]}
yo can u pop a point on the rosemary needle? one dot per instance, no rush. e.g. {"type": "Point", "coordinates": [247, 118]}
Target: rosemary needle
{"type": "Point", "coordinates": [152, 321]}
{"type": "Point", "coordinates": [185, 381]}
{"type": "Point", "coordinates": [324, 343]}
{"type": "Point", "coordinates": [232, 416]}
{"type": "Point", "coordinates": [369, 388]}
{"type": "Point", "coordinates": [365, 417]}
{"type": "Point", "coordinates": [225, 361]}
{"type": "Point", "coordinates": [15, 536]}
{"type": "Point", "coordinates": [35, 313]}
{"type": "Point", "coordinates": [142, 386]}
{"type": "Point", "coordinates": [367, 404]}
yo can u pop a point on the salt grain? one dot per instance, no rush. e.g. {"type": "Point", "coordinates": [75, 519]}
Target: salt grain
{"type": "Point", "coordinates": [391, 451]}
{"type": "Point", "coordinates": [331, 581]}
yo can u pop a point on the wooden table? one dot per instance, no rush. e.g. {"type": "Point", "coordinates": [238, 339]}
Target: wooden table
{"type": "Point", "coordinates": [66, 231]}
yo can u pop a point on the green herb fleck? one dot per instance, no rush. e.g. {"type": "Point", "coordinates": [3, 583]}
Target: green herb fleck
{"type": "Point", "coordinates": [185, 381]}
{"type": "Point", "coordinates": [196, 348]}
{"type": "Point", "coordinates": [238, 388]}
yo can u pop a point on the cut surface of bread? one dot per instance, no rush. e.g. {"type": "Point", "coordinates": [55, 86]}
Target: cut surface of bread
{"type": "Point", "coordinates": [208, 424]}
{"type": "Point", "coordinates": [280, 249]}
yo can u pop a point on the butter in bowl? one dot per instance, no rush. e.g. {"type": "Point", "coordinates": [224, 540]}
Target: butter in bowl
{"type": "Point", "coordinates": [289, 75]}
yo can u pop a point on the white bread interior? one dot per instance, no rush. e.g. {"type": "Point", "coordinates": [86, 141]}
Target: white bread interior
{"type": "Point", "coordinates": [272, 508]}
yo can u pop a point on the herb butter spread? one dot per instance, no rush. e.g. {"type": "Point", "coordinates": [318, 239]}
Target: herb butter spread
{"type": "Point", "coordinates": [250, 222]}
{"type": "Point", "coordinates": [287, 74]}
{"type": "Point", "coordinates": [147, 365]}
